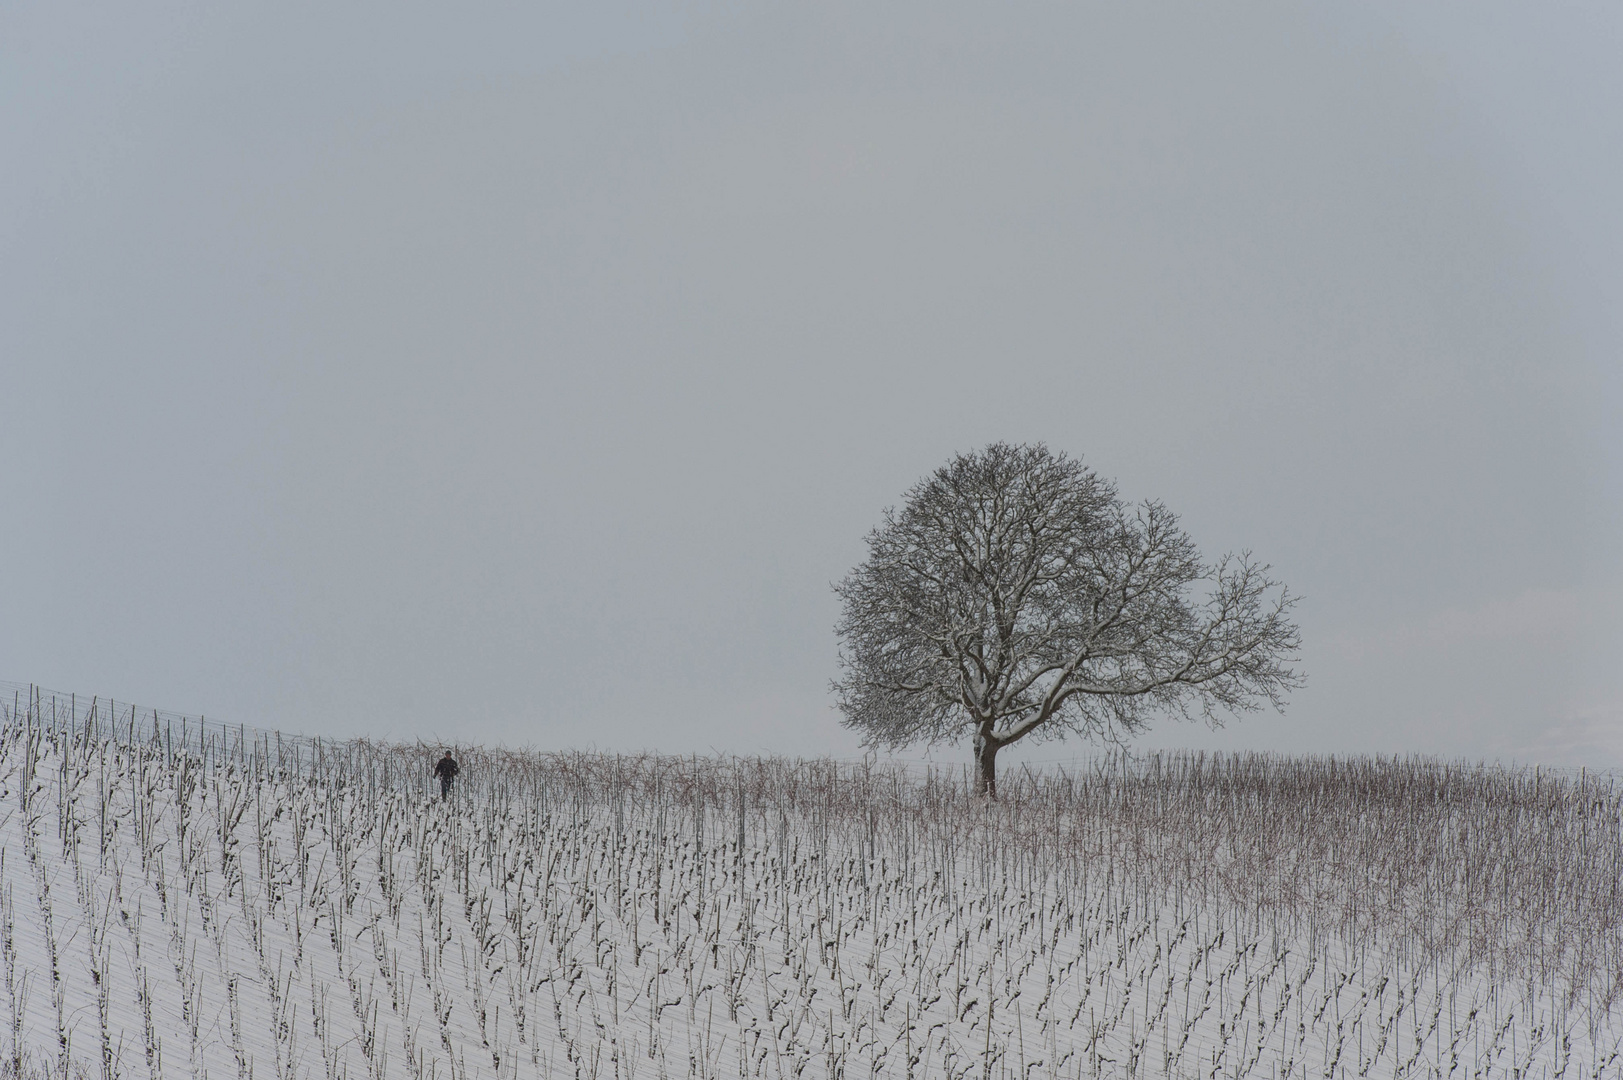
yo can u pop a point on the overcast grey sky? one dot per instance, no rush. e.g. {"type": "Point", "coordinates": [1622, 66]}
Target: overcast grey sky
{"type": "Point", "coordinates": [527, 372]}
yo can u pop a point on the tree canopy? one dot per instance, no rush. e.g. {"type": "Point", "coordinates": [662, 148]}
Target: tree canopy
{"type": "Point", "coordinates": [1015, 594]}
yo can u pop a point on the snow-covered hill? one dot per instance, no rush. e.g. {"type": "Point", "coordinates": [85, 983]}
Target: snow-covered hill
{"type": "Point", "coordinates": [190, 900]}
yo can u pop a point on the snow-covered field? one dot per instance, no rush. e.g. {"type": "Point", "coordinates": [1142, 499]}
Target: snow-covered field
{"type": "Point", "coordinates": [186, 900]}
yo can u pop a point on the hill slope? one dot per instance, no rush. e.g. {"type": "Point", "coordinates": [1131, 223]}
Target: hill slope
{"type": "Point", "coordinates": [185, 900]}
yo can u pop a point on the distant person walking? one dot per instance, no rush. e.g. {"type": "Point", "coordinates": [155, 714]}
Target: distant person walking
{"type": "Point", "coordinates": [446, 770]}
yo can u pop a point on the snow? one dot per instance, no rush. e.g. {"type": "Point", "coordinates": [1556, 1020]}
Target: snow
{"type": "Point", "coordinates": [237, 904]}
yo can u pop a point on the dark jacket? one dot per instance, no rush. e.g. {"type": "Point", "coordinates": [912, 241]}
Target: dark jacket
{"type": "Point", "coordinates": [445, 769]}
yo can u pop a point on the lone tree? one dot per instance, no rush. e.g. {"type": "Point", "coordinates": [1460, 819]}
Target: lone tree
{"type": "Point", "coordinates": [1015, 594]}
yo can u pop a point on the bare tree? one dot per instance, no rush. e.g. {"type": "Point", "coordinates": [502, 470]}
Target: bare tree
{"type": "Point", "coordinates": [1015, 594]}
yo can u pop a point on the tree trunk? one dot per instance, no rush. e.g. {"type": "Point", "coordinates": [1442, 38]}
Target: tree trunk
{"type": "Point", "coordinates": [986, 748]}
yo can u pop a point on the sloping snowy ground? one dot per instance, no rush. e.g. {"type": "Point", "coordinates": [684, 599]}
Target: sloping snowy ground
{"type": "Point", "coordinates": [234, 905]}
